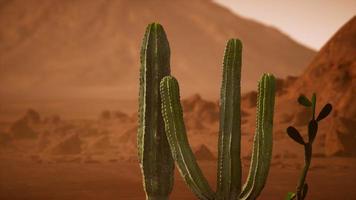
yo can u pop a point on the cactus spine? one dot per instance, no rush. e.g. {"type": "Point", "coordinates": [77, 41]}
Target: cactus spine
{"type": "Point", "coordinates": [229, 164]}
{"type": "Point", "coordinates": [155, 158]}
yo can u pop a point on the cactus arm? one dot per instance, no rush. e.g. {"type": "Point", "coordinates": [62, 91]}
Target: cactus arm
{"type": "Point", "coordinates": [178, 141]}
{"type": "Point", "coordinates": [267, 133]}
{"type": "Point", "coordinates": [256, 147]}
{"type": "Point", "coordinates": [262, 147]}
{"type": "Point", "coordinates": [155, 159]}
{"type": "Point", "coordinates": [229, 163]}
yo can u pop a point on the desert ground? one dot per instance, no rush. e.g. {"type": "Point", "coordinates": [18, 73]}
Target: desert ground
{"type": "Point", "coordinates": [95, 158]}
{"type": "Point", "coordinates": [24, 177]}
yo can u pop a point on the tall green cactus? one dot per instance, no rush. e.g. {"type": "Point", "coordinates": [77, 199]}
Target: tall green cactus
{"type": "Point", "coordinates": [229, 163]}
{"type": "Point", "coordinates": [155, 158]}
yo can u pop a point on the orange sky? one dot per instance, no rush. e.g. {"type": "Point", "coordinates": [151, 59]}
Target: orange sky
{"type": "Point", "coordinates": [310, 22]}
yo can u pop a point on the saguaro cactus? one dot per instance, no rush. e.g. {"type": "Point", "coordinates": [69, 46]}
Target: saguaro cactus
{"type": "Point", "coordinates": [229, 163]}
{"type": "Point", "coordinates": [155, 158]}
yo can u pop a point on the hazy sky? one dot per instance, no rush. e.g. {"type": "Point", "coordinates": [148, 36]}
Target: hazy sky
{"type": "Point", "coordinates": [310, 22]}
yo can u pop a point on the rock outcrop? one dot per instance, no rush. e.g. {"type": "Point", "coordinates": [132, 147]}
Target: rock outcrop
{"type": "Point", "coordinates": [332, 75]}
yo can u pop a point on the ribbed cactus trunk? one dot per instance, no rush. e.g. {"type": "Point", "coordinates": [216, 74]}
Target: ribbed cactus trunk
{"type": "Point", "coordinates": [229, 163]}
{"type": "Point", "coordinates": [263, 140]}
{"type": "Point", "coordinates": [155, 158]}
{"type": "Point", "coordinates": [178, 140]}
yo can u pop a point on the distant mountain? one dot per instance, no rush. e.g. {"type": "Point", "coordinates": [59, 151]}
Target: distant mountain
{"type": "Point", "coordinates": [332, 75]}
{"type": "Point", "coordinates": [90, 49]}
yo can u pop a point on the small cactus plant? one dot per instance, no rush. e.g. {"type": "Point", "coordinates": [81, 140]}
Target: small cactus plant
{"type": "Point", "coordinates": [302, 187]}
{"type": "Point", "coordinates": [229, 163]}
{"type": "Point", "coordinates": [154, 153]}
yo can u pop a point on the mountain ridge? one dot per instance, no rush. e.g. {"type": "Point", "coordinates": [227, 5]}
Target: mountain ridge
{"type": "Point", "coordinates": [90, 49]}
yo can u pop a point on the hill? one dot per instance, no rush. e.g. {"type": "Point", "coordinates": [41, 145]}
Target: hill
{"type": "Point", "coordinates": [89, 49]}
{"type": "Point", "coordinates": [332, 75]}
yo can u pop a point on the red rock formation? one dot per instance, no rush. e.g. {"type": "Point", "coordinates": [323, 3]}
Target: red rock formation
{"type": "Point", "coordinates": [332, 75]}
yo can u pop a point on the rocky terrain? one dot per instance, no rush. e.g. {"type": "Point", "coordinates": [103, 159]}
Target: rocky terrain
{"type": "Point", "coordinates": [332, 75]}
{"type": "Point", "coordinates": [98, 158]}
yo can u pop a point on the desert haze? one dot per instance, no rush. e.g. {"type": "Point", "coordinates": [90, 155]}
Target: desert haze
{"type": "Point", "coordinates": [75, 51]}
{"type": "Point", "coordinates": [69, 90]}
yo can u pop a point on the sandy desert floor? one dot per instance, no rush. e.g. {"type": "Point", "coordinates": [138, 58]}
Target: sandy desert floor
{"type": "Point", "coordinates": [25, 178]}
{"type": "Point", "coordinates": [96, 159]}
